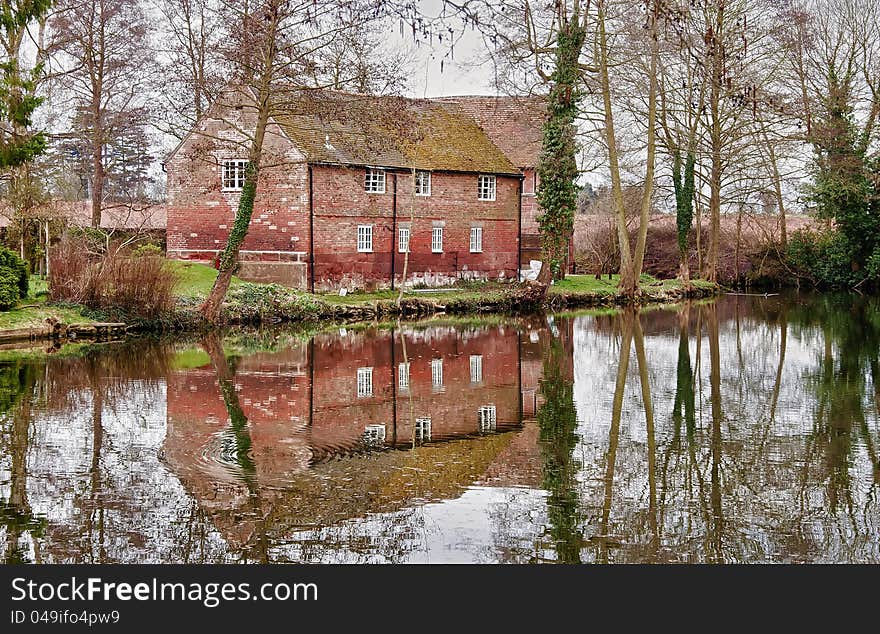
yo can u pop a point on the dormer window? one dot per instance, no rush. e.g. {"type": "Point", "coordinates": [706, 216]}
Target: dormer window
{"type": "Point", "coordinates": [374, 181]}
{"type": "Point", "coordinates": [233, 174]}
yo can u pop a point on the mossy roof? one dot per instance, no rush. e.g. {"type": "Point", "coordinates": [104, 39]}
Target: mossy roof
{"type": "Point", "coordinates": [514, 124]}
{"type": "Point", "coordinates": [351, 129]}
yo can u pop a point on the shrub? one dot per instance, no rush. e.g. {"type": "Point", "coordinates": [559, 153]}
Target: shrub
{"type": "Point", "coordinates": [253, 303]}
{"type": "Point", "coordinates": [147, 250]}
{"type": "Point", "coordinates": [825, 257]}
{"type": "Point", "coordinates": [14, 279]}
{"type": "Point", "coordinates": [141, 286]}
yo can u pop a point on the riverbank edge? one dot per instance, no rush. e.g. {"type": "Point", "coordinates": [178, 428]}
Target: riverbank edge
{"type": "Point", "coordinates": [314, 310]}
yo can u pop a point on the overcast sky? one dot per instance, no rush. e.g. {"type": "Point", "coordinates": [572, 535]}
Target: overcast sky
{"type": "Point", "coordinates": [440, 72]}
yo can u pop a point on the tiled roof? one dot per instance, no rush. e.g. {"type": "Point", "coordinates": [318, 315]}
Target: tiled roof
{"type": "Point", "coordinates": [146, 217]}
{"type": "Point", "coordinates": [349, 129]}
{"type": "Point", "coordinates": [512, 123]}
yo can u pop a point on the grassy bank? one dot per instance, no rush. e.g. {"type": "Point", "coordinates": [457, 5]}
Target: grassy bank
{"type": "Point", "coordinates": [250, 303]}
{"type": "Point", "coordinates": [34, 310]}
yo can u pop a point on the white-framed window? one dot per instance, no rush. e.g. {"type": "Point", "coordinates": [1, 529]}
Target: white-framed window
{"type": "Point", "coordinates": [374, 434]}
{"type": "Point", "coordinates": [437, 240]}
{"type": "Point", "coordinates": [403, 376]}
{"type": "Point", "coordinates": [365, 382]}
{"type": "Point", "coordinates": [374, 181]}
{"type": "Point", "coordinates": [476, 239]}
{"type": "Point", "coordinates": [233, 173]}
{"type": "Point", "coordinates": [488, 418]}
{"type": "Point", "coordinates": [476, 368]}
{"type": "Point", "coordinates": [402, 239]}
{"type": "Point", "coordinates": [365, 239]}
{"type": "Point", "coordinates": [423, 183]}
{"type": "Point", "coordinates": [423, 429]}
{"type": "Point", "coordinates": [485, 187]}
{"type": "Point", "coordinates": [437, 373]}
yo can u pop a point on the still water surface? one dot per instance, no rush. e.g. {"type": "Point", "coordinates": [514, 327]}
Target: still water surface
{"type": "Point", "coordinates": [744, 430]}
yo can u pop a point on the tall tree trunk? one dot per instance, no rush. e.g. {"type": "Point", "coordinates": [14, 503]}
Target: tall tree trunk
{"type": "Point", "coordinates": [98, 171]}
{"type": "Point", "coordinates": [777, 190]}
{"type": "Point", "coordinates": [557, 167]}
{"type": "Point", "coordinates": [648, 190]}
{"type": "Point", "coordinates": [716, 51]}
{"type": "Point", "coordinates": [628, 282]}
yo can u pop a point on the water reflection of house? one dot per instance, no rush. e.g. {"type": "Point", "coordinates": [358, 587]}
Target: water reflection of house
{"type": "Point", "coordinates": [445, 392]}
{"type": "Point", "coordinates": [397, 389]}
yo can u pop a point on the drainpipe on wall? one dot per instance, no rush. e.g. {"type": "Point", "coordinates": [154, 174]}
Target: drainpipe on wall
{"type": "Point", "coordinates": [393, 225]}
{"type": "Point", "coordinates": [522, 178]}
{"type": "Point", "coordinates": [311, 235]}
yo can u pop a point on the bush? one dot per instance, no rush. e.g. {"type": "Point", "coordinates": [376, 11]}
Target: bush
{"type": "Point", "coordinates": [14, 279]}
{"type": "Point", "coordinates": [147, 250]}
{"type": "Point", "coordinates": [825, 257]}
{"type": "Point", "coordinates": [253, 303]}
{"type": "Point", "coordinates": [141, 286]}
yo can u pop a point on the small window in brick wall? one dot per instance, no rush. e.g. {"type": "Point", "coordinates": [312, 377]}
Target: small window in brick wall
{"type": "Point", "coordinates": [476, 239]}
{"type": "Point", "coordinates": [374, 181]}
{"type": "Point", "coordinates": [476, 368]}
{"type": "Point", "coordinates": [233, 174]}
{"type": "Point", "coordinates": [437, 240]}
{"type": "Point", "coordinates": [437, 374]}
{"type": "Point", "coordinates": [365, 239]}
{"type": "Point", "coordinates": [374, 435]}
{"type": "Point", "coordinates": [488, 418]}
{"type": "Point", "coordinates": [403, 239]}
{"type": "Point", "coordinates": [364, 382]}
{"type": "Point", "coordinates": [423, 183]}
{"type": "Point", "coordinates": [403, 376]}
{"type": "Point", "coordinates": [486, 187]}
{"type": "Point", "coordinates": [423, 429]}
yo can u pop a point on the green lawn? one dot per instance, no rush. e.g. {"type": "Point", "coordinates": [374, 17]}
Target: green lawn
{"type": "Point", "coordinates": [196, 279]}
{"type": "Point", "coordinates": [32, 311]}
{"type": "Point", "coordinates": [606, 286]}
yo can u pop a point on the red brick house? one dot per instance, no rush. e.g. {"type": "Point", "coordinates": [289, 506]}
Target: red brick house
{"type": "Point", "coordinates": [349, 184]}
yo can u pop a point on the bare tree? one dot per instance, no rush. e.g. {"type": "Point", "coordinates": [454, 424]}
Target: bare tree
{"type": "Point", "coordinates": [109, 67]}
{"type": "Point", "coordinates": [190, 43]}
{"type": "Point", "coordinates": [273, 46]}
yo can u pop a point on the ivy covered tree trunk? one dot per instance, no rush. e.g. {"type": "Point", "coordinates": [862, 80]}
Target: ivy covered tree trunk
{"type": "Point", "coordinates": [557, 167]}
{"type": "Point", "coordinates": [229, 257]}
{"type": "Point", "coordinates": [683, 184]}
{"type": "Point", "coordinates": [844, 188]}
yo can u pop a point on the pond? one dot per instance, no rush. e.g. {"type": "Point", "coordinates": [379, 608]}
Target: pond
{"type": "Point", "coordinates": [740, 430]}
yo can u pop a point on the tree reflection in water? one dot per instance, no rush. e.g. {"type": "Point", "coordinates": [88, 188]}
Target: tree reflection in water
{"type": "Point", "coordinates": [740, 430]}
{"type": "Point", "coordinates": [557, 421]}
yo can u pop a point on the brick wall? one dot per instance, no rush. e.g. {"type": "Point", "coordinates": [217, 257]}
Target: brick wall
{"type": "Point", "coordinates": [530, 209]}
{"type": "Point", "coordinates": [200, 213]}
{"type": "Point", "coordinates": [341, 205]}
